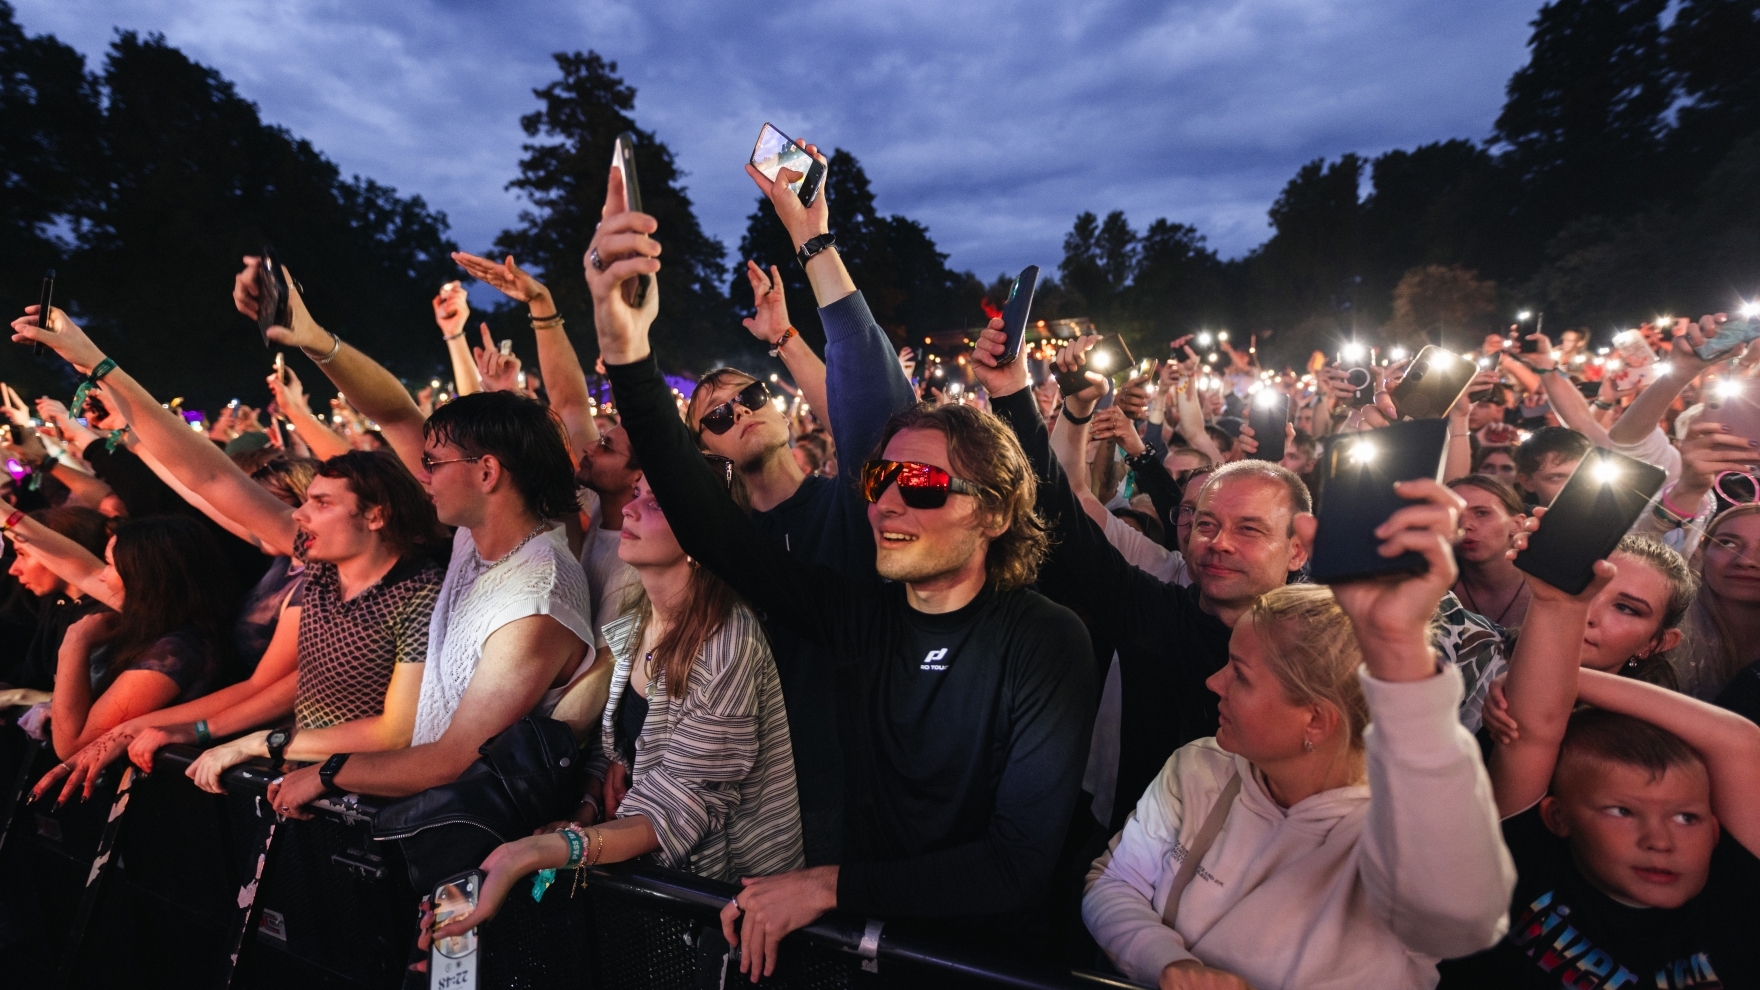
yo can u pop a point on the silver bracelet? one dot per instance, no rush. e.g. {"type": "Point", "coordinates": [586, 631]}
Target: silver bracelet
{"type": "Point", "coordinates": [335, 349]}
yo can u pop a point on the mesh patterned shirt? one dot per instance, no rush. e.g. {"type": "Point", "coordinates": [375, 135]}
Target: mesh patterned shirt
{"type": "Point", "coordinates": [348, 648]}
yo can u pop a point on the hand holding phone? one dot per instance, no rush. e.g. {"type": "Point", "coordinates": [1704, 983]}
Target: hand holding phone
{"type": "Point", "coordinates": [274, 301]}
{"type": "Point", "coordinates": [1604, 496]}
{"type": "Point", "coordinates": [623, 159]}
{"type": "Point", "coordinates": [1433, 384]}
{"type": "Point", "coordinates": [452, 962]}
{"type": "Point", "coordinates": [45, 302]}
{"type": "Point", "coordinates": [1356, 473]}
{"type": "Point", "coordinates": [1268, 418]}
{"type": "Point", "coordinates": [775, 151]}
{"type": "Point", "coordinates": [1016, 311]}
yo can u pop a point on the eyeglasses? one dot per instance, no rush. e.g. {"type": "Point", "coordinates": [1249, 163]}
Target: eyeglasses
{"type": "Point", "coordinates": [429, 464]}
{"type": "Point", "coordinates": [1736, 487]}
{"type": "Point", "coordinates": [922, 486]}
{"type": "Point", "coordinates": [719, 419]}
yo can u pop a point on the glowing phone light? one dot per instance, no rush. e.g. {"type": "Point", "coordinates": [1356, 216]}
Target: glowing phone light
{"type": "Point", "coordinates": [1729, 388]}
{"type": "Point", "coordinates": [1354, 351]}
{"type": "Point", "coordinates": [1750, 310]}
{"type": "Point", "coordinates": [1606, 471]}
{"type": "Point", "coordinates": [1267, 399]}
{"type": "Point", "coordinates": [1663, 367]}
{"type": "Point", "coordinates": [1205, 340]}
{"type": "Point", "coordinates": [1222, 335]}
{"type": "Point", "coordinates": [1397, 354]}
{"type": "Point", "coordinates": [1362, 452]}
{"type": "Point", "coordinates": [1099, 360]}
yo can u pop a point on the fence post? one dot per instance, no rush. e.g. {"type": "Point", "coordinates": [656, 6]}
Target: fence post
{"type": "Point", "coordinates": [88, 902]}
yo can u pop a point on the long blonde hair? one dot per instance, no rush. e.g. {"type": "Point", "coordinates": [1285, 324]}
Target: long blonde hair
{"type": "Point", "coordinates": [1313, 652]}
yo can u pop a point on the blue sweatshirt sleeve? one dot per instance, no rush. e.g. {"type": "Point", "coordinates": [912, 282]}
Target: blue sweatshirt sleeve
{"type": "Point", "coordinates": [863, 381]}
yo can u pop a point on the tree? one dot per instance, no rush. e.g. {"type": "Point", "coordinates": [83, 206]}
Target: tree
{"type": "Point", "coordinates": [1438, 299]}
{"type": "Point", "coordinates": [1584, 120]}
{"type": "Point", "coordinates": [1099, 258]}
{"type": "Point", "coordinates": [1312, 266]}
{"type": "Point", "coordinates": [564, 178]}
{"type": "Point", "coordinates": [1710, 48]}
{"type": "Point", "coordinates": [189, 179]}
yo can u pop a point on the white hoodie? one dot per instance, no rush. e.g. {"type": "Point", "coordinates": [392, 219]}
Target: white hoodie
{"type": "Point", "coordinates": [1341, 890]}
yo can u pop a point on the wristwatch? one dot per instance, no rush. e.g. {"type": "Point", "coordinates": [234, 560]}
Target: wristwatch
{"type": "Point", "coordinates": [327, 773]}
{"type": "Point", "coordinates": [813, 247]}
{"type": "Point", "coordinates": [277, 742]}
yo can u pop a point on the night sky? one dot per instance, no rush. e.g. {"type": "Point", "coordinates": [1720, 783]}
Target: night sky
{"type": "Point", "coordinates": [992, 123]}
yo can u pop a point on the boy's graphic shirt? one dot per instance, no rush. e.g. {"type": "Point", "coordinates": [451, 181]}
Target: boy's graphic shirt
{"type": "Point", "coordinates": [1563, 932]}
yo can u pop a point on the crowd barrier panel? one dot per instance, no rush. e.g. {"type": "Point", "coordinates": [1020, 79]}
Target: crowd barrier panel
{"type": "Point", "coordinates": [154, 878]}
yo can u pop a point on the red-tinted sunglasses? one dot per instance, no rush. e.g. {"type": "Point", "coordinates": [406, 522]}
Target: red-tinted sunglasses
{"type": "Point", "coordinates": [922, 486]}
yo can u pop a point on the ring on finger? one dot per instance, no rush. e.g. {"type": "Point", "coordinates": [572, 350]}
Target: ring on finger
{"type": "Point", "coordinates": [593, 259]}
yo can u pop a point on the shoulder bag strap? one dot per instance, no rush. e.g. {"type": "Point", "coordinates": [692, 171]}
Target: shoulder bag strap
{"type": "Point", "coordinates": [1188, 868]}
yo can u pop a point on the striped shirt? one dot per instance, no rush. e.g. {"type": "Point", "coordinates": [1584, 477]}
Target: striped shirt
{"type": "Point", "coordinates": [714, 769]}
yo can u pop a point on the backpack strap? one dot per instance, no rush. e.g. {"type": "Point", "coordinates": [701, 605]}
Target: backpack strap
{"type": "Point", "coordinates": [1188, 867]}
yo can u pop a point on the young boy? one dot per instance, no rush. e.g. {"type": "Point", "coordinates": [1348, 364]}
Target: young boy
{"type": "Point", "coordinates": [1637, 866]}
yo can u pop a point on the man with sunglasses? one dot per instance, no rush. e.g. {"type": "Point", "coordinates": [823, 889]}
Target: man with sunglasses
{"type": "Point", "coordinates": [820, 520]}
{"type": "Point", "coordinates": [963, 697]}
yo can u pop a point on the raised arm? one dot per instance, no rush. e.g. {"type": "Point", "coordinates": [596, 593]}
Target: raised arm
{"type": "Point", "coordinates": [770, 324]}
{"type": "Point", "coordinates": [370, 388]}
{"type": "Point", "coordinates": [1542, 688]}
{"type": "Point", "coordinates": [452, 314]}
{"type": "Point", "coordinates": [1433, 864]}
{"type": "Point", "coordinates": [68, 560]}
{"type": "Point", "coordinates": [193, 459]}
{"type": "Point", "coordinates": [565, 382]}
{"type": "Point", "coordinates": [1728, 743]}
{"type": "Point", "coordinates": [1684, 365]}
{"type": "Point", "coordinates": [290, 398]}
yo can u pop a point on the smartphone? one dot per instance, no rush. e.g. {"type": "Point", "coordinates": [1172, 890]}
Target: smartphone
{"type": "Point", "coordinates": [1432, 384]}
{"type": "Point", "coordinates": [452, 962]}
{"type": "Point", "coordinates": [1016, 310]}
{"type": "Point", "coordinates": [1730, 336]}
{"type": "Point", "coordinates": [1112, 357]}
{"type": "Point", "coordinates": [775, 151]}
{"type": "Point", "coordinates": [1532, 346]}
{"type": "Point", "coordinates": [44, 303]}
{"type": "Point", "coordinates": [1355, 359]}
{"type": "Point", "coordinates": [1734, 402]}
{"type": "Point", "coordinates": [273, 300]}
{"type": "Point", "coordinates": [1604, 496]}
{"type": "Point", "coordinates": [623, 158]}
{"type": "Point", "coordinates": [506, 346]}
{"type": "Point", "coordinates": [1356, 473]}
{"type": "Point", "coordinates": [1268, 416]}
{"type": "Point", "coordinates": [281, 367]}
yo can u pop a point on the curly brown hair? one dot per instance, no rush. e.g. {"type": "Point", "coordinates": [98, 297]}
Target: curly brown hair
{"type": "Point", "coordinates": [983, 450]}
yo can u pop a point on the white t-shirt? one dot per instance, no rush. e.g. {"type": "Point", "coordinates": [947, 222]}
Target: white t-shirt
{"type": "Point", "coordinates": [609, 579]}
{"type": "Point", "coordinates": [538, 577]}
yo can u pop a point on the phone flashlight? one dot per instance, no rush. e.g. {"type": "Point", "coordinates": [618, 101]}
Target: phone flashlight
{"type": "Point", "coordinates": [1397, 354]}
{"type": "Point", "coordinates": [1362, 452]}
{"type": "Point", "coordinates": [1353, 351]}
{"type": "Point", "coordinates": [1750, 310]}
{"type": "Point", "coordinates": [1606, 472]}
{"type": "Point", "coordinates": [1205, 340]}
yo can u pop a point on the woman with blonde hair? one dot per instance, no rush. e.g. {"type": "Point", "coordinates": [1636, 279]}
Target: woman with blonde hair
{"type": "Point", "coordinates": [1339, 829]}
{"type": "Point", "coordinates": [1721, 632]}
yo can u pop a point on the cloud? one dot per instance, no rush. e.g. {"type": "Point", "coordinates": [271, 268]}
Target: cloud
{"type": "Point", "coordinates": [992, 123]}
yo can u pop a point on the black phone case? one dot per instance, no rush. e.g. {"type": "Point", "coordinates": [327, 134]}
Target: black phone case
{"type": "Point", "coordinates": [1071, 382]}
{"type": "Point", "coordinates": [1357, 497]}
{"type": "Point", "coordinates": [812, 183]}
{"type": "Point", "coordinates": [1268, 424]}
{"type": "Point", "coordinates": [1366, 394]}
{"type": "Point", "coordinates": [274, 306]}
{"type": "Point", "coordinates": [635, 290]}
{"type": "Point", "coordinates": [1587, 519]}
{"type": "Point", "coordinates": [44, 302]}
{"type": "Point", "coordinates": [1429, 389]}
{"type": "Point", "coordinates": [1016, 311]}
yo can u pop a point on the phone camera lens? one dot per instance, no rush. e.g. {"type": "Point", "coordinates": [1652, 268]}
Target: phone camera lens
{"type": "Point", "coordinates": [1358, 378]}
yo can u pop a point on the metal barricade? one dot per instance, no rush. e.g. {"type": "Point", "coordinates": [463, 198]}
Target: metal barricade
{"type": "Point", "coordinates": [155, 878]}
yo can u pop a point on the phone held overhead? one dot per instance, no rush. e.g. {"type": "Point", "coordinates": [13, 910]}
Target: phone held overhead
{"type": "Point", "coordinates": [1730, 335]}
{"type": "Point", "coordinates": [1604, 496]}
{"type": "Point", "coordinates": [1356, 359]}
{"type": "Point", "coordinates": [623, 158]}
{"type": "Point", "coordinates": [1016, 311]}
{"type": "Point", "coordinates": [1432, 384]}
{"type": "Point", "coordinates": [44, 302]}
{"type": "Point", "coordinates": [274, 301]}
{"type": "Point", "coordinates": [1268, 416]}
{"type": "Point", "coordinates": [1356, 474]}
{"type": "Point", "coordinates": [775, 151]}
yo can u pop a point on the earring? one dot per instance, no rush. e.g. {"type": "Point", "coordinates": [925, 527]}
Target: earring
{"type": "Point", "coordinates": [1307, 745]}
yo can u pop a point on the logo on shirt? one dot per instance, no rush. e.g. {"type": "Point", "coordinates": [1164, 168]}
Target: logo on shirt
{"type": "Point", "coordinates": [1557, 947]}
{"type": "Point", "coordinates": [934, 660]}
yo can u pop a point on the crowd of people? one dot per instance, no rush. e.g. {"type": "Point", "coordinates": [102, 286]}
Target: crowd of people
{"type": "Point", "coordinates": [1032, 665]}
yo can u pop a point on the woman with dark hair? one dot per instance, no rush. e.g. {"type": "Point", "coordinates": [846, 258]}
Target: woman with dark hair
{"type": "Point", "coordinates": [174, 599]}
{"type": "Point", "coordinates": [59, 602]}
{"type": "Point", "coordinates": [696, 770]}
{"type": "Point", "coordinates": [1490, 584]}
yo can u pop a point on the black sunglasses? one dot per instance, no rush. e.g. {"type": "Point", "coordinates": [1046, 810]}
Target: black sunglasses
{"type": "Point", "coordinates": [719, 419]}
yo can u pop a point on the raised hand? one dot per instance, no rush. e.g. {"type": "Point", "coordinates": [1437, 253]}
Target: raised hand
{"type": "Point", "coordinates": [622, 248]}
{"type": "Point", "coordinates": [997, 379]}
{"type": "Point", "coordinates": [452, 309]}
{"type": "Point", "coordinates": [803, 223]}
{"type": "Point", "coordinates": [1074, 358]}
{"type": "Point", "coordinates": [506, 276]}
{"type": "Point", "coordinates": [500, 372]}
{"type": "Point", "coordinates": [770, 321]}
{"type": "Point", "coordinates": [1113, 424]}
{"type": "Point", "coordinates": [290, 395]}
{"type": "Point", "coordinates": [305, 333]}
{"type": "Point", "coordinates": [63, 336]}
{"type": "Point", "coordinates": [1133, 397]}
{"type": "Point", "coordinates": [13, 405]}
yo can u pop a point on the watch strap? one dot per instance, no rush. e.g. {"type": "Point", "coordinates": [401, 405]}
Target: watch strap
{"type": "Point", "coordinates": [277, 743]}
{"type": "Point", "coordinates": [813, 246]}
{"type": "Point", "coordinates": [327, 773]}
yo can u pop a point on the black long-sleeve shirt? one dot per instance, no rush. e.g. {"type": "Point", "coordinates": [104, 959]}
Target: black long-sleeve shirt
{"type": "Point", "coordinates": [964, 734]}
{"type": "Point", "coordinates": [1167, 645]}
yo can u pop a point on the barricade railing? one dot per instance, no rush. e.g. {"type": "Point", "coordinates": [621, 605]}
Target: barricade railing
{"type": "Point", "coordinates": [154, 877]}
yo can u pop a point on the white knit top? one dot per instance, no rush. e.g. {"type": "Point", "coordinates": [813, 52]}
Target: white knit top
{"type": "Point", "coordinates": [539, 577]}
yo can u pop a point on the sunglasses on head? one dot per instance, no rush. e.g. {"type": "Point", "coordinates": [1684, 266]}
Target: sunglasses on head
{"type": "Point", "coordinates": [922, 486]}
{"type": "Point", "coordinates": [719, 419]}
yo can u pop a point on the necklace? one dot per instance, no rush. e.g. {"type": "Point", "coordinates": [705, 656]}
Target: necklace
{"type": "Point", "coordinates": [1473, 603]}
{"type": "Point", "coordinates": [491, 565]}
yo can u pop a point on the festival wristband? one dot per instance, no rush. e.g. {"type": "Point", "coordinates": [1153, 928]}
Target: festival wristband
{"type": "Point", "coordinates": [12, 520]}
{"type": "Point", "coordinates": [203, 736]}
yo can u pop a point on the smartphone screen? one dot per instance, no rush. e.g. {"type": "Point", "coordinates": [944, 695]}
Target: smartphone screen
{"type": "Point", "coordinates": [623, 158]}
{"type": "Point", "coordinates": [1016, 311]}
{"type": "Point", "coordinates": [1729, 336]}
{"type": "Point", "coordinates": [1268, 417]}
{"type": "Point", "coordinates": [453, 960]}
{"type": "Point", "coordinates": [1604, 496]}
{"type": "Point", "coordinates": [1356, 474]}
{"type": "Point", "coordinates": [775, 151]}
